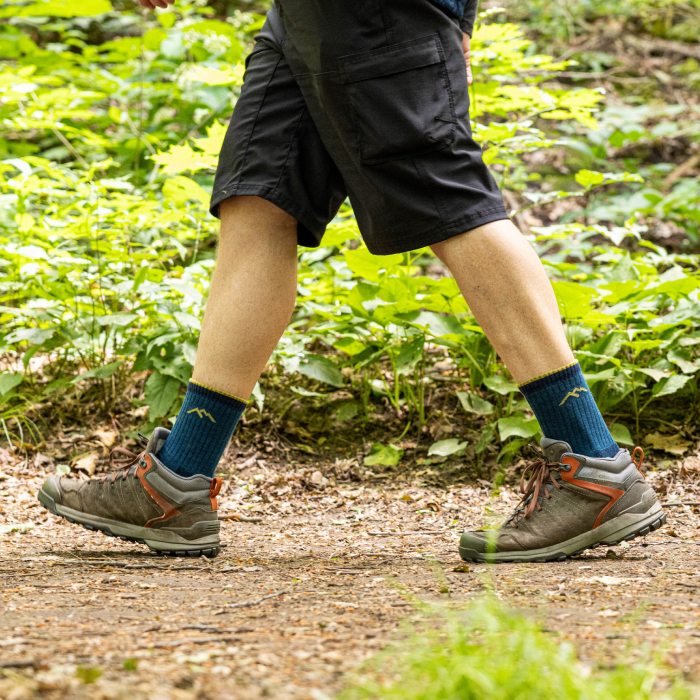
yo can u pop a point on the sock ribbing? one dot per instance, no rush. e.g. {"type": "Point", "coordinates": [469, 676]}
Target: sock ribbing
{"type": "Point", "coordinates": [202, 431]}
{"type": "Point", "coordinates": [566, 410]}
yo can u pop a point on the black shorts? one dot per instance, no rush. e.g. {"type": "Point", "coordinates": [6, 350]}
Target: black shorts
{"type": "Point", "coordinates": [364, 99]}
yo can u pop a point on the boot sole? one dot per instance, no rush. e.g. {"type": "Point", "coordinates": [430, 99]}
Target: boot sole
{"type": "Point", "coordinates": [161, 541]}
{"type": "Point", "coordinates": [622, 528]}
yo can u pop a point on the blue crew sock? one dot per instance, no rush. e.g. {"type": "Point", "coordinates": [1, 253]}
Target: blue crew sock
{"type": "Point", "coordinates": [202, 430]}
{"type": "Point", "coordinates": [566, 410]}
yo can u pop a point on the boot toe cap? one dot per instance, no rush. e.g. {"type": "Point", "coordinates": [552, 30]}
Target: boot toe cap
{"type": "Point", "coordinates": [52, 488]}
{"type": "Point", "coordinates": [476, 542]}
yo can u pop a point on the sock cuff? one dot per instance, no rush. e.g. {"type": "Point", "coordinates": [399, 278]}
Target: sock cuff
{"type": "Point", "coordinates": [555, 376]}
{"type": "Point", "coordinates": [216, 395]}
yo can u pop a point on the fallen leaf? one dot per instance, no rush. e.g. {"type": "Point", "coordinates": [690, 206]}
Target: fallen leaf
{"type": "Point", "coordinates": [42, 461]}
{"type": "Point", "coordinates": [87, 463]}
{"type": "Point", "coordinates": [106, 437]}
{"type": "Point", "coordinates": [673, 444]}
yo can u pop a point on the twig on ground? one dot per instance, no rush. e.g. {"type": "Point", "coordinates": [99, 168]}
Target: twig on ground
{"type": "Point", "coordinates": [256, 601]}
{"type": "Point", "coordinates": [241, 518]}
{"type": "Point", "coordinates": [395, 533]}
{"type": "Point", "coordinates": [18, 664]}
{"type": "Point", "coordinates": [683, 169]}
{"type": "Point", "coordinates": [200, 640]}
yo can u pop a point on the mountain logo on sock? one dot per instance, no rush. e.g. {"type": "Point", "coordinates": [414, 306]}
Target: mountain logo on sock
{"type": "Point", "coordinates": [202, 413]}
{"type": "Point", "coordinates": [574, 393]}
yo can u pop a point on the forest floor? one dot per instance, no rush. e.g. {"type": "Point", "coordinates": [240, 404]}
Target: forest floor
{"type": "Point", "coordinates": [322, 564]}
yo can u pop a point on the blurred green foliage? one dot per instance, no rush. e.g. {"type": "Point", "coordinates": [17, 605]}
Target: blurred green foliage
{"type": "Point", "coordinates": [488, 652]}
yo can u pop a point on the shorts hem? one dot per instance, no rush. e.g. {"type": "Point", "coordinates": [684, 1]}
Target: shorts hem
{"type": "Point", "coordinates": [438, 234]}
{"type": "Point", "coordinates": [310, 231]}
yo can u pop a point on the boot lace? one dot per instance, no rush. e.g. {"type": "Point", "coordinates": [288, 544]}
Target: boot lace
{"type": "Point", "coordinates": [534, 487]}
{"type": "Point", "coordinates": [122, 460]}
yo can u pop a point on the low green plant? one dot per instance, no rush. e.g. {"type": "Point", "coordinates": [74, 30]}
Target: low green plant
{"type": "Point", "coordinates": [491, 653]}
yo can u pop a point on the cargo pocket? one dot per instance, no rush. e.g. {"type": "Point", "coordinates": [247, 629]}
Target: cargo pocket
{"type": "Point", "coordinates": [400, 100]}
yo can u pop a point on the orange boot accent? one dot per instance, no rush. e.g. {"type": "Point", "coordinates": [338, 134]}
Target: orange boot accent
{"type": "Point", "coordinates": [216, 483]}
{"type": "Point", "coordinates": [570, 477]}
{"type": "Point", "coordinates": [639, 452]}
{"type": "Point", "coordinates": [169, 510]}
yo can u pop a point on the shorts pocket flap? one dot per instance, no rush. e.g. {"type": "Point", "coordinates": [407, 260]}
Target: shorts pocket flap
{"type": "Point", "coordinates": [396, 58]}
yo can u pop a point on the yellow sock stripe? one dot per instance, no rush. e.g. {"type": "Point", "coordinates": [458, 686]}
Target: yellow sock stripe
{"type": "Point", "coordinates": [547, 374]}
{"type": "Point", "coordinates": [218, 391]}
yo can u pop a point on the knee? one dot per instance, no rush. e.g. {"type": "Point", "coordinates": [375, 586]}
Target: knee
{"type": "Point", "coordinates": [251, 216]}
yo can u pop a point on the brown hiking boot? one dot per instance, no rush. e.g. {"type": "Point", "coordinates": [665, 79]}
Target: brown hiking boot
{"type": "Point", "coordinates": [570, 503]}
{"type": "Point", "coordinates": [143, 502]}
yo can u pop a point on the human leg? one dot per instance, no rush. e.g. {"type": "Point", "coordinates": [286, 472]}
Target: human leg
{"type": "Point", "coordinates": [250, 303]}
{"type": "Point", "coordinates": [275, 187]}
{"type": "Point", "coordinates": [508, 291]}
{"type": "Point", "coordinates": [584, 491]}
{"type": "Point", "coordinates": [165, 496]}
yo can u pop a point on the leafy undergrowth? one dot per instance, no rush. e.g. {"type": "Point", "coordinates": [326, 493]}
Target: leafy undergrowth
{"type": "Point", "coordinates": [492, 653]}
{"type": "Point", "coordinates": [111, 125]}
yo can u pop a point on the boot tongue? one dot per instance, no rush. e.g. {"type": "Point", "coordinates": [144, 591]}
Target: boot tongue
{"type": "Point", "coordinates": [554, 449]}
{"type": "Point", "coordinates": [155, 442]}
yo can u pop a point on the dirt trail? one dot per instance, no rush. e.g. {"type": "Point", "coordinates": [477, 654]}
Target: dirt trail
{"type": "Point", "coordinates": [317, 579]}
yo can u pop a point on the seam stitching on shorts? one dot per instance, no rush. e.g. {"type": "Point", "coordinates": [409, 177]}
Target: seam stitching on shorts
{"type": "Point", "coordinates": [431, 191]}
{"type": "Point", "coordinates": [283, 169]}
{"type": "Point", "coordinates": [244, 160]}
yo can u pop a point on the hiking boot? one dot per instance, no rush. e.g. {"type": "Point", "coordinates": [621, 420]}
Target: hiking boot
{"type": "Point", "coordinates": [143, 502]}
{"type": "Point", "coordinates": [570, 503]}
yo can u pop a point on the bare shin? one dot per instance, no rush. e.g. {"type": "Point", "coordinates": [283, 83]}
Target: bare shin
{"type": "Point", "coordinates": [508, 291]}
{"type": "Point", "coordinates": [252, 295]}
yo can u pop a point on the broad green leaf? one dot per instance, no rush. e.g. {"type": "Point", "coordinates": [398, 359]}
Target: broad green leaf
{"type": "Point", "coordinates": [621, 434]}
{"type": "Point", "coordinates": [213, 76]}
{"type": "Point", "coordinates": [180, 189]}
{"type": "Point", "coordinates": [101, 372]}
{"type": "Point", "coordinates": [671, 385]}
{"type": "Point", "coordinates": [322, 370]}
{"type": "Point", "coordinates": [410, 353]}
{"type": "Point", "coordinates": [161, 392]}
{"type": "Point", "coordinates": [58, 8]}
{"type": "Point", "coordinates": [347, 410]}
{"type": "Point", "coordinates": [682, 358]}
{"type": "Point", "coordinates": [473, 403]}
{"type": "Point", "coordinates": [589, 178]}
{"type": "Point", "coordinates": [369, 266]}
{"type": "Point", "coordinates": [118, 320]}
{"type": "Point", "coordinates": [593, 178]}
{"type": "Point", "coordinates": [33, 336]}
{"type": "Point", "coordinates": [349, 345]}
{"type": "Point", "coordinates": [383, 455]}
{"type": "Point", "coordinates": [438, 325]}
{"type": "Point", "coordinates": [656, 374]}
{"type": "Point", "coordinates": [183, 158]}
{"type": "Point", "coordinates": [575, 300]}
{"type": "Point", "coordinates": [517, 426]}
{"type": "Point", "coordinates": [9, 380]}
{"type": "Point", "coordinates": [443, 448]}
{"type": "Point", "coordinates": [500, 384]}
